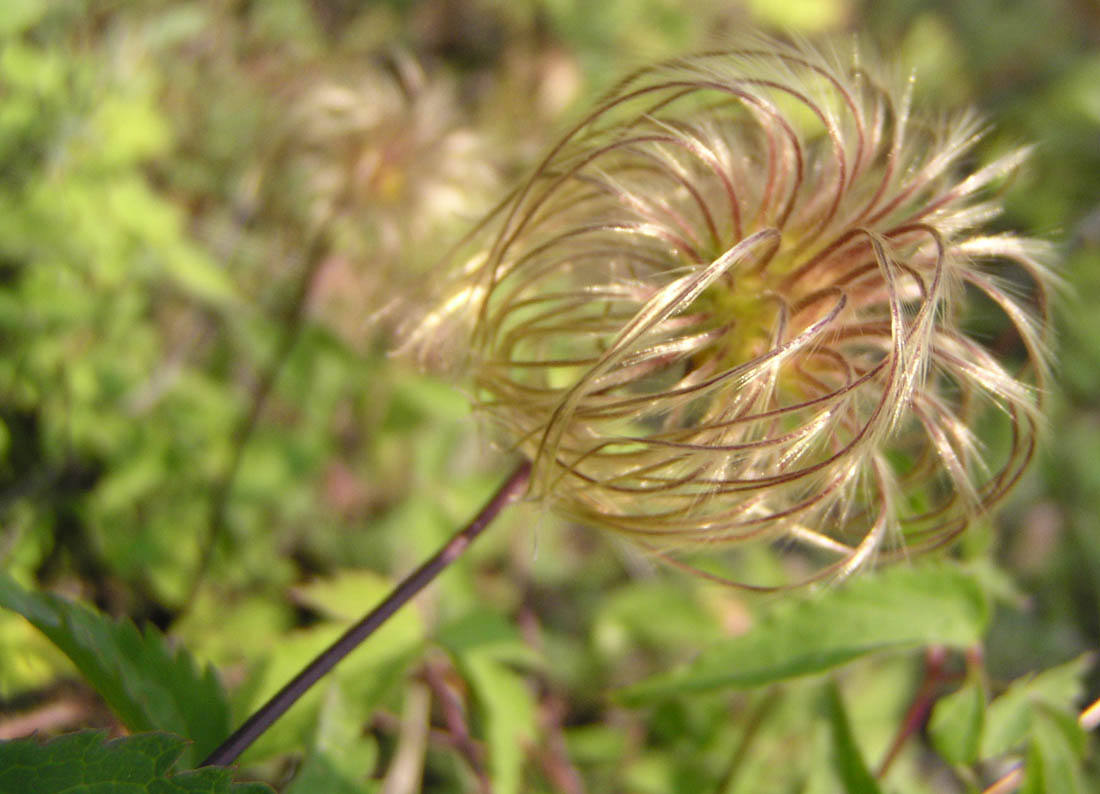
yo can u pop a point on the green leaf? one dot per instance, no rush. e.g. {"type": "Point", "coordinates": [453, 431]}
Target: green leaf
{"type": "Point", "coordinates": [346, 595]}
{"type": "Point", "coordinates": [1054, 755]}
{"type": "Point", "coordinates": [199, 277]}
{"type": "Point", "coordinates": [28, 660]}
{"type": "Point", "coordinates": [899, 608]}
{"type": "Point", "coordinates": [800, 15]}
{"type": "Point", "coordinates": [662, 615]}
{"type": "Point", "coordinates": [1009, 717]}
{"type": "Point", "coordinates": [148, 685]}
{"type": "Point", "coordinates": [81, 763]}
{"type": "Point", "coordinates": [508, 709]}
{"type": "Point", "coordinates": [596, 743]}
{"type": "Point", "coordinates": [341, 757]}
{"type": "Point", "coordinates": [18, 15]}
{"type": "Point", "coordinates": [848, 762]}
{"type": "Point", "coordinates": [483, 631]}
{"type": "Point", "coordinates": [482, 643]}
{"type": "Point", "coordinates": [956, 723]}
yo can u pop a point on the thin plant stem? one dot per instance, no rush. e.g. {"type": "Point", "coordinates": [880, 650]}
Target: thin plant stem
{"type": "Point", "coordinates": [934, 677]}
{"type": "Point", "coordinates": [267, 714]}
{"type": "Point", "coordinates": [292, 320]}
{"type": "Point", "coordinates": [553, 754]}
{"type": "Point", "coordinates": [454, 714]}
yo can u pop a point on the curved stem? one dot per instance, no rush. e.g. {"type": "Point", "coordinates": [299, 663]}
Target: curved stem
{"type": "Point", "coordinates": [267, 714]}
{"type": "Point", "coordinates": [935, 675]}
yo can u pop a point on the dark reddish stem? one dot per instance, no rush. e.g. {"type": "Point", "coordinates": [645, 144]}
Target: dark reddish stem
{"type": "Point", "coordinates": [935, 673]}
{"type": "Point", "coordinates": [454, 714]}
{"type": "Point", "coordinates": [553, 754]}
{"type": "Point", "coordinates": [265, 717]}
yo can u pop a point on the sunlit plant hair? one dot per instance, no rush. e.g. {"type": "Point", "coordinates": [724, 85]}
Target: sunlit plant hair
{"type": "Point", "coordinates": [374, 157]}
{"type": "Point", "coordinates": [733, 305]}
{"type": "Point", "coordinates": [386, 150]}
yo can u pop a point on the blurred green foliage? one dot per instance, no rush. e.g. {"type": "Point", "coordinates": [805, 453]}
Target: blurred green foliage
{"type": "Point", "coordinates": [208, 212]}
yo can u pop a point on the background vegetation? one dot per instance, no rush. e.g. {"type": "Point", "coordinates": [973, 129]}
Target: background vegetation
{"type": "Point", "coordinates": [207, 213]}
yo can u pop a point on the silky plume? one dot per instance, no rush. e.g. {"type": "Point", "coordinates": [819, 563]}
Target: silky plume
{"type": "Point", "coordinates": [733, 305]}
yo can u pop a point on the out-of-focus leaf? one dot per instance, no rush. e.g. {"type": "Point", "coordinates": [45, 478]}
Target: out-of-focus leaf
{"type": "Point", "coordinates": [200, 277]}
{"type": "Point", "coordinates": [899, 608]}
{"type": "Point", "coordinates": [1054, 755]}
{"type": "Point", "coordinates": [660, 614]}
{"type": "Point", "coordinates": [417, 397]}
{"type": "Point", "coordinates": [481, 642]}
{"type": "Point", "coordinates": [175, 25]}
{"type": "Point", "coordinates": [802, 15]}
{"type": "Point", "coordinates": [848, 762]}
{"type": "Point", "coordinates": [956, 723]}
{"type": "Point", "coordinates": [130, 129]}
{"type": "Point", "coordinates": [596, 743]}
{"type": "Point", "coordinates": [341, 757]}
{"type": "Point", "coordinates": [81, 763]}
{"type": "Point", "coordinates": [148, 685]}
{"type": "Point", "coordinates": [508, 709]}
{"type": "Point", "coordinates": [930, 48]}
{"type": "Point", "coordinates": [320, 773]}
{"type": "Point", "coordinates": [18, 15]}
{"type": "Point", "coordinates": [1009, 717]}
{"type": "Point", "coordinates": [488, 633]}
{"type": "Point", "coordinates": [27, 659]}
{"type": "Point", "coordinates": [348, 595]}
{"type": "Point", "coordinates": [653, 773]}
{"type": "Point", "coordinates": [1080, 89]}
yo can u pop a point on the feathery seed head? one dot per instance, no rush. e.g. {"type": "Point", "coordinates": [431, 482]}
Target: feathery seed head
{"type": "Point", "coordinates": [374, 162]}
{"type": "Point", "coordinates": [729, 306]}
{"type": "Point", "coordinates": [388, 147]}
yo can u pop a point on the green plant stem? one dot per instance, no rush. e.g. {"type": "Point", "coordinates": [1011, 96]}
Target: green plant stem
{"type": "Point", "coordinates": [265, 717]}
